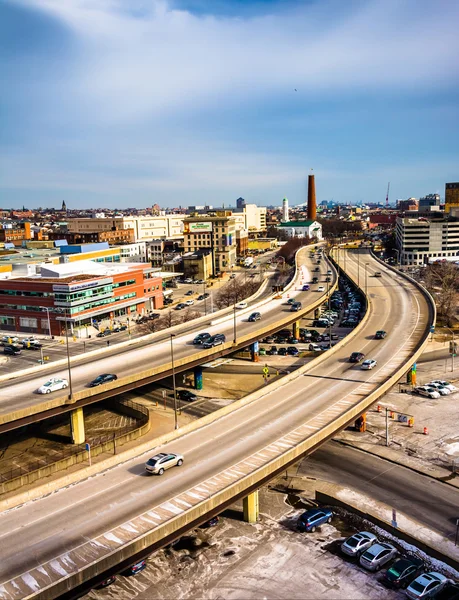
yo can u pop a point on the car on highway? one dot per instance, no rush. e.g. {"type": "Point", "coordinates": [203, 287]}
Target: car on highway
{"type": "Point", "coordinates": [134, 569]}
{"type": "Point", "coordinates": [201, 338]}
{"type": "Point", "coordinates": [377, 556]}
{"type": "Point", "coordinates": [11, 350]}
{"type": "Point", "coordinates": [312, 518]}
{"type": "Point", "coordinates": [295, 307]}
{"type": "Point", "coordinates": [427, 585]}
{"type": "Point", "coordinates": [156, 465]}
{"type": "Point", "coordinates": [189, 293]}
{"type": "Point", "coordinates": [329, 272]}
{"type": "Point", "coordinates": [427, 392]}
{"type": "Point", "coordinates": [447, 384]}
{"type": "Point", "coordinates": [104, 333]}
{"type": "Point", "coordinates": [356, 357]}
{"type": "Point", "coordinates": [444, 391]}
{"type": "Point", "coordinates": [52, 385]}
{"type": "Point", "coordinates": [378, 274]}
{"type": "Point", "coordinates": [402, 572]}
{"type": "Point", "coordinates": [358, 543]}
{"type": "Point", "coordinates": [180, 306]}
{"type": "Point", "coordinates": [368, 364]}
{"type": "Point", "coordinates": [186, 395]}
{"type": "Point", "coordinates": [241, 305]}
{"type": "Point", "coordinates": [215, 340]}
{"type": "Point", "coordinates": [203, 296]}
{"type": "Point", "coordinates": [321, 288]}
{"type": "Point", "coordinates": [255, 316]}
{"type": "Point", "coordinates": [327, 279]}
{"type": "Point", "coordinates": [189, 302]}
{"type": "Point", "coordinates": [104, 378]}
{"type": "Point", "coordinates": [305, 287]}
{"type": "Point", "coordinates": [380, 334]}
{"type": "Point", "coordinates": [291, 301]}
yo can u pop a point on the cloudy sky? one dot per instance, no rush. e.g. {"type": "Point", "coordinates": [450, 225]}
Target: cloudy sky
{"type": "Point", "coordinates": [121, 103]}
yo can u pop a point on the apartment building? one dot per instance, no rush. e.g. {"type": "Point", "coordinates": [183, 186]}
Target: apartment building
{"type": "Point", "coordinates": [215, 232]}
{"type": "Point", "coordinates": [451, 196]}
{"type": "Point", "coordinates": [420, 239]}
{"type": "Point", "coordinates": [14, 232]}
{"type": "Point", "coordinates": [145, 228]}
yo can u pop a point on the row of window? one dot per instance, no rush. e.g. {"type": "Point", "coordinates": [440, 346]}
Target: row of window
{"type": "Point", "coordinates": [26, 293]}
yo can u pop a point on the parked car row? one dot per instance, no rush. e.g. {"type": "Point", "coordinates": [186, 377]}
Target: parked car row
{"type": "Point", "coordinates": [435, 389]}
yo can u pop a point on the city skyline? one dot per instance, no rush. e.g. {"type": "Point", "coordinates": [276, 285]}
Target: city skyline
{"type": "Point", "coordinates": [191, 102]}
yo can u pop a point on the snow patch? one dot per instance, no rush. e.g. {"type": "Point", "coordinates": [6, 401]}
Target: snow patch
{"type": "Point", "coordinates": [112, 538]}
{"type": "Point", "coordinates": [30, 581]}
{"type": "Point", "coordinates": [452, 449]}
{"type": "Point", "coordinates": [55, 566]}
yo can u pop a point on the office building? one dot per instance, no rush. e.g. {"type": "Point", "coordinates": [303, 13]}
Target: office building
{"type": "Point", "coordinates": [215, 232]}
{"type": "Point", "coordinates": [451, 196]}
{"type": "Point", "coordinates": [145, 228]}
{"type": "Point", "coordinates": [419, 240]}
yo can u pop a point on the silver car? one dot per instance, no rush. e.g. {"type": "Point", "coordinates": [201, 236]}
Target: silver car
{"type": "Point", "coordinates": [358, 543]}
{"type": "Point", "coordinates": [160, 462]}
{"type": "Point", "coordinates": [378, 555]}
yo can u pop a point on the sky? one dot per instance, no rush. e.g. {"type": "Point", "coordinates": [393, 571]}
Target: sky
{"type": "Point", "coordinates": [130, 103]}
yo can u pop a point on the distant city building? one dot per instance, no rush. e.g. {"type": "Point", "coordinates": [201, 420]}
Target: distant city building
{"type": "Point", "coordinates": [285, 210]}
{"type": "Point", "coordinates": [419, 240]}
{"type": "Point", "coordinates": [410, 204]}
{"type": "Point", "coordinates": [145, 228]}
{"type": "Point", "coordinates": [302, 229]}
{"type": "Point", "coordinates": [240, 203]}
{"type": "Point", "coordinates": [451, 196]}
{"type": "Point", "coordinates": [15, 232]}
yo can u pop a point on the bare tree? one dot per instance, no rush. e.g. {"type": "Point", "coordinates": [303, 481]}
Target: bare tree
{"type": "Point", "coordinates": [442, 281]}
{"type": "Point", "coordinates": [234, 292]}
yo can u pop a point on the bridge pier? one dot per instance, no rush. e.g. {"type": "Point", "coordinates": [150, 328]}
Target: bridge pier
{"type": "Point", "coordinates": [77, 426]}
{"type": "Point", "coordinates": [251, 508]}
{"type": "Point", "coordinates": [197, 372]}
{"type": "Point", "coordinates": [254, 352]}
{"type": "Point", "coordinates": [296, 330]}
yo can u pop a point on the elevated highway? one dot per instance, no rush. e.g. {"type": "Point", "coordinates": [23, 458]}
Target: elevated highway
{"type": "Point", "coordinates": [106, 522]}
{"type": "Point", "coordinates": [143, 361]}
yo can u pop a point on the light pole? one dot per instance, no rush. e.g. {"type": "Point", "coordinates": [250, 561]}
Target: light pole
{"type": "Point", "coordinates": [64, 312]}
{"type": "Point", "coordinates": [358, 268]}
{"type": "Point", "coordinates": [366, 273]}
{"type": "Point", "coordinates": [49, 320]}
{"type": "Point", "coordinates": [234, 322]}
{"type": "Point", "coordinates": [452, 348]}
{"type": "Point", "coordinates": [172, 335]}
{"type": "Point", "coordinates": [398, 256]}
{"type": "Point", "coordinates": [329, 322]}
{"type": "Point", "coordinates": [205, 298]}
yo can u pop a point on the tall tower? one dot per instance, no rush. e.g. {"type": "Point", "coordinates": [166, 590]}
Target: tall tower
{"type": "Point", "coordinates": [311, 198]}
{"type": "Point", "coordinates": [64, 207]}
{"type": "Point", "coordinates": [285, 210]}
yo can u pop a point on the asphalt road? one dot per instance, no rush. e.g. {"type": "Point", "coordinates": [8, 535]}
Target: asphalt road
{"type": "Point", "coordinates": [59, 528]}
{"type": "Point", "coordinates": [431, 502]}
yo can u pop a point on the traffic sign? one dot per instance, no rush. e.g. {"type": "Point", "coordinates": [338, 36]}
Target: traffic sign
{"type": "Point", "coordinates": [432, 329]}
{"type": "Point", "coordinates": [266, 370]}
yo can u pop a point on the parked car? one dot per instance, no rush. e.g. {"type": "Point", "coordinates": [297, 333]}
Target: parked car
{"type": "Point", "coordinates": [213, 522]}
{"type": "Point", "coordinates": [358, 543]}
{"type": "Point", "coordinates": [444, 391]}
{"type": "Point", "coordinates": [31, 344]}
{"type": "Point", "coordinates": [186, 395]}
{"type": "Point", "coordinates": [189, 293]}
{"type": "Point", "coordinates": [282, 352]}
{"type": "Point", "coordinates": [134, 569]}
{"type": "Point", "coordinates": [380, 334]}
{"type": "Point", "coordinates": [180, 306]}
{"type": "Point", "coordinates": [106, 582]}
{"type": "Point", "coordinates": [449, 592]}
{"type": "Point", "coordinates": [447, 384]}
{"type": "Point", "coordinates": [427, 585]}
{"type": "Point", "coordinates": [104, 378]}
{"type": "Point", "coordinates": [314, 348]}
{"type": "Point", "coordinates": [255, 316]}
{"type": "Point", "coordinates": [368, 364]}
{"type": "Point", "coordinates": [189, 302]}
{"type": "Point", "coordinates": [356, 357]}
{"type": "Point", "coordinates": [10, 339]}
{"type": "Point", "coordinates": [312, 518]}
{"type": "Point", "coordinates": [162, 461]}
{"type": "Point", "coordinates": [215, 340]}
{"type": "Point", "coordinates": [378, 555]}
{"type": "Point", "coordinates": [272, 350]}
{"type": "Point", "coordinates": [104, 333]}
{"type": "Point", "coordinates": [292, 351]}
{"type": "Point", "coordinates": [201, 338]}
{"type": "Point", "coordinates": [402, 572]}
{"type": "Point", "coordinates": [188, 280]}
{"type": "Point", "coordinates": [427, 392]}
{"type": "Point", "coordinates": [52, 385]}
{"type": "Point", "coordinates": [11, 350]}
{"type": "Point", "coordinates": [241, 305]}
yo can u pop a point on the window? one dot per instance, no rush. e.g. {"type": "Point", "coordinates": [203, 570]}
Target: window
{"type": "Point", "coordinates": [27, 322]}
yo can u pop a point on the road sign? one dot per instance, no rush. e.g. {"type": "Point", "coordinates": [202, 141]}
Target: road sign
{"type": "Point", "coordinates": [432, 329]}
{"type": "Point", "coordinates": [266, 370]}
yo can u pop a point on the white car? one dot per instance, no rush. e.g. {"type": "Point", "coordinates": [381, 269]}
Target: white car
{"type": "Point", "coordinates": [52, 385]}
{"type": "Point", "coordinates": [447, 384]}
{"type": "Point", "coordinates": [368, 364]}
{"type": "Point", "coordinates": [358, 543]}
{"type": "Point", "coordinates": [241, 305]}
{"type": "Point", "coordinates": [321, 288]}
{"type": "Point", "coordinates": [189, 302]}
{"type": "Point", "coordinates": [10, 339]}
{"type": "Point", "coordinates": [427, 392]}
{"type": "Point", "coordinates": [444, 391]}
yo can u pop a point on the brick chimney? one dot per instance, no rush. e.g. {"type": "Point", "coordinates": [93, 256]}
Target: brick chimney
{"type": "Point", "coordinates": [311, 198]}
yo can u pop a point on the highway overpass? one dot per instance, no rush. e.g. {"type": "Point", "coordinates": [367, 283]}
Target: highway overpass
{"type": "Point", "coordinates": [106, 522]}
{"type": "Point", "coordinates": [139, 362]}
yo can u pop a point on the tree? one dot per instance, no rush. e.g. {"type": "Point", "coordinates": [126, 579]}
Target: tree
{"type": "Point", "coordinates": [442, 281]}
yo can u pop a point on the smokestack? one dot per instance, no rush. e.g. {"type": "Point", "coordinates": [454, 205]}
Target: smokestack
{"type": "Point", "coordinates": [285, 210]}
{"type": "Point", "coordinates": [311, 198]}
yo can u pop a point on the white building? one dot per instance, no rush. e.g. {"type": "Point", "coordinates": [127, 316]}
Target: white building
{"type": "Point", "coordinates": [145, 228]}
{"type": "Point", "coordinates": [302, 229]}
{"type": "Point", "coordinates": [136, 252]}
{"type": "Point", "coordinates": [419, 240]}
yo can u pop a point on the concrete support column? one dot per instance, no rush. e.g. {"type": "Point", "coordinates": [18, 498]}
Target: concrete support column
{"type": "Point", "coordinates": [251, 508]}
{"type": "Point", "coordinates": [77, 426]}
{"type": "Point", "coordinates": [316, 313]}
{"type": "Point", "coordinates": [198, 378]}
{"type": "Point", "coordinates": [254, 351]}
{"type": "Point", "coordinates": [296, 330]}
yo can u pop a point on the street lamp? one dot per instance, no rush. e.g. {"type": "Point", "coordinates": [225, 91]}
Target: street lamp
{"type": "Point", "coordinates": [366, 273]}
{"type": "Point", "coordinates": [172, 336]}
{"type": "Point", "coordinates": [358, 268]}
{"type": "Point", "coordinates": [49, 320]}
{"type": "Point", "coordinates": [234, 322]}
{"type": "Point", "coordinates": [452, 349]}
{"type": "Point", "coordinates": [205, 298]}
{"type": "Point", "coordinates": [64, 312]}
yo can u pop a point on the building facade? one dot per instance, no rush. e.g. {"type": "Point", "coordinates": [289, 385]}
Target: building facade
{"type": "Point", "coordinates": [302, 229]}
{"type": "Point", "coordinates": [14, 232]}
{"type": "Point", "coordinates": [451, 196]}
{"type": "Point", "coordinates": [145, 228]}
{"type": "Point", "coordinates": [215, 232]}
{"type": "Point", "coordinates": [419, 240]}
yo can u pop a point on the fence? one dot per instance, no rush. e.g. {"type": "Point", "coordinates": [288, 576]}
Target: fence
{"type": "Point", "coordinates": [71, 455]}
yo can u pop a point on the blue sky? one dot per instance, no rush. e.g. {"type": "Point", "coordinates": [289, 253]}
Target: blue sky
{"type": "Point", "coordinates": [121, 103]}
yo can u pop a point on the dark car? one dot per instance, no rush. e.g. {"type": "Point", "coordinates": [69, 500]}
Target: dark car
{"type": "Point", "coordinates": [292, 351]}
{"type": "Point", "coordinates": [255, 316]}
{"type": "Point", "coordinates": [201, 338]}
{"type": "Point", "coordinates": [104, 378]}
{"type": "Point", "coordinates": [282, 352]}
{"type": "Point", "coordinates": [167, 301]}
{"type": "Point", "coordinates": [186, 395]}
{"type": "Point", "coordinates": [105, 582]}
{"type": "Point", "coordinates": [315, 280]}
{"type": "Point", "coordinates": [295, 307]}
{"type": "Point", "coordinates": [134, 569]}
{"type": "Point", "coordinates": [11, 350]}
{"type": "Point", "coordinates": [402, 572]}
{"type": "Point", "coordinates": [213, 522]}
{"type": "Point", "coordinates": [272, 350]}
{"type": "Point", "coordinates": [189, 293]}
{"type": "Point", "coordinates": [151, 317]}
{"type": "Point", "coordinates": [380, 335]}
{"type": "Point", "coordinates": [312, 518]}
{"type": "Point", "coordinates": [356, 357]}
{"type": "Point", "coordinates": [215, 340]}
{"type": "Point", "coordinates": [201, 297]}
{"type": "Point", "coordinates": [104, 333]}
{"type": "Point", "coordinates": [180, 306]}
{"type": "Point", "coordinates": [449, 592]}
{"type": "Point", "coordinates": [305, 287]}
{"type": "Point", "coordinates": [268, 340]}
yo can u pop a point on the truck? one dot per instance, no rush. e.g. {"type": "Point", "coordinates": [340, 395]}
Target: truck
{"type": "Point", "coordinates": [248, 262]}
